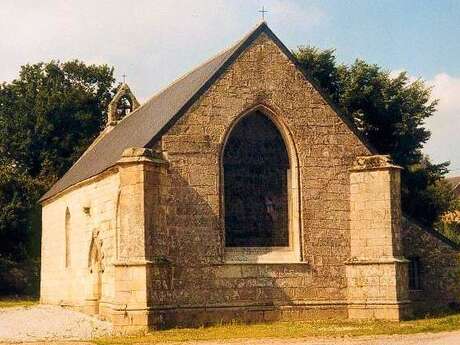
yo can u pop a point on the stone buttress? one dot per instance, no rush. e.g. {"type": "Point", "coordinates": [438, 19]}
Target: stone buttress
{"type": "Point", "coordinates": [376, 270]}
{"type": "Point", "coordinates": [140, 172]}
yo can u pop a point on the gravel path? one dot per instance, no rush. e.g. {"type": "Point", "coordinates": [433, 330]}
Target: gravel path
{"type": "Point", "coordinates": [44, 322]}
{"type": "Point", "coordinates": [56, 325]}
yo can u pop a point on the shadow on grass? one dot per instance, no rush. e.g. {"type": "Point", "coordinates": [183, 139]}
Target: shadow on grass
{"type": "Point", "coordinates": [284, 330]}
{"type": "Point", "coordinates": [17, 301]}
{"type": "Point", "coordinates": [439, 312]}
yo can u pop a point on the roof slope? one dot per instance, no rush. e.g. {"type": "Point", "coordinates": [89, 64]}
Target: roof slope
{"type": "Point", "coordinates": [433, 231]}
{"type": "Point", "coordinates": [453, 181]}
{"type": "Point", "coordinates": [146, 124]}
{"type": "Point", "coordinates": [139, 128]}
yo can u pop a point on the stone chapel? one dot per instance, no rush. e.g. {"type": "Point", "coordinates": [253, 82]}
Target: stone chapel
{"type": "Point", "coordinates": [239, 192]}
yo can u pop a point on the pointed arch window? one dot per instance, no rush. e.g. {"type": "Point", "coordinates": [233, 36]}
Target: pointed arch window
{"type": "Point", "coordinates": [258, 193]}
{"type": "Point", "coordinates": [68, 234]}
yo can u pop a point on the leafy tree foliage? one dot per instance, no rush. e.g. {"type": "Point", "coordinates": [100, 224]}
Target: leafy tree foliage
{"type": "Point", "coordinates": [18, 195]}
{"type": "Point", "coordinates": [390, 112]}
{"type": "Point", "coordinates": [48, 117]}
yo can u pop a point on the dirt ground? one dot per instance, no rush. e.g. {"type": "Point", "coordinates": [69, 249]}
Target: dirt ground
{"type": "Point", "coordinates": [447, 338]}
{"type": "Point", "coordinates": [40, 325]}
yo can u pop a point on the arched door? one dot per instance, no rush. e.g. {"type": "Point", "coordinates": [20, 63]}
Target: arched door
{"type": "Point", "coordinates": [96, 270]}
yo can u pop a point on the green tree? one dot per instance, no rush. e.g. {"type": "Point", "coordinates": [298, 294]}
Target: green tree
{"type": "Point", "coordinates": [18, 195]}
{"type": "Point", "coordinates": [48, 117]}
{"type": "Point", "coordinates": [390, 112]}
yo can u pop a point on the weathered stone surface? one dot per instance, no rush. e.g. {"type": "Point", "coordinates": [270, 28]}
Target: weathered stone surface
{"type": "Point", "coordinates": [158, 220]}
{"type": "Point", "coordinates": [440, 269]}
{"type": "Point", "coordinates": [376, 271]}
{"type": "Point", "coordinates": [93, 208]}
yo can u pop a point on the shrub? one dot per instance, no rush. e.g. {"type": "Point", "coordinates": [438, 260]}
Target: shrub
{"type": "Point", "coordinates": [19, 278]}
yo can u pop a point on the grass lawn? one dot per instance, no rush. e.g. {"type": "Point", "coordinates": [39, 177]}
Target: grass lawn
{"type": "Point", "coordinates": [8, 302]}
{"type": "Point", "coordinates": [294, 330]}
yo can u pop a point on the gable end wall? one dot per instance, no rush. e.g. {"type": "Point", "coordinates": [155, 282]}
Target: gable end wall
{"type": "Point", "coordinates": [326, 148]}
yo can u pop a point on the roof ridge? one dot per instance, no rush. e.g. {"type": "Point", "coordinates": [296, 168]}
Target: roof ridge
{"type": "Point", "coordinates": [186, 74]}
{"type": "Point", "coordinates": [144, 126]}
{"type": "Point", "coordinates": [155, 115]}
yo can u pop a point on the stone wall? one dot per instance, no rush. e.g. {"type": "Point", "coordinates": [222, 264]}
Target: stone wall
{"type": "Point", "coordinates": [208, 294]}
{"type": "Point", "coordinates": [263, 79]}
{"type": "Point", "coordinates": [157, 218]}
{"type": "Point", "coordinates": [376, 270]}
{"type": "Point", "coordinates": [440, 269]}
{"type": "Point", "coordinates": [92, 207]}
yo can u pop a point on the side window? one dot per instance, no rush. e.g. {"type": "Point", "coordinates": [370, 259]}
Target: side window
{"type": "Point", "coordinates": [68, 233]}
{"type": "Point", "coordinates": [415, 279]}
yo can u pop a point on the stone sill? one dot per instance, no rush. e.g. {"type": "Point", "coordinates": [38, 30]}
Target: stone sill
{"type": "Point", "coordinates": [140, 263]}
{"type": "Point", "coordinates": [376, 261]}
{"type": "Point", "coordinates": [376, 302]}
{"type": "Point", "coordinates": [389, 167]}
{"type": "Point", "coordinates": [281, 304]}
{"type": "Point", "coordinates": [263, 263]}
{"type": "Point", "coordinates": [229, 262]}
{"type": "Point", "coordinates": [261, 255]}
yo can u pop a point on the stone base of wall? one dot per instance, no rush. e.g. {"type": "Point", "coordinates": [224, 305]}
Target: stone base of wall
{"type": "Point", "coordinates": [91, 306]}
{"type": "Point", "coordinates": [377, 288]}
{"type": "Point", "coordinates": [380, 311]}
{"type": "Point", "coordinates": [142, 320]}
{"type": "Point", "coordinates": [131, 322]}
{"type": "Point", "coordinates": [203, 316]}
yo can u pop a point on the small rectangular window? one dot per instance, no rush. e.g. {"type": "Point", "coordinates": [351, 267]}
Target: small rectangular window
{"type": "Point", "coordinates": [415, 281]}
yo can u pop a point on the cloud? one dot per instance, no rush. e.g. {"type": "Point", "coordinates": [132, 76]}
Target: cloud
{"type": "Point", "coordinates": [152, 41]}
{"type": "Point", "coordinates": [447, 89]}
{"type": "Point", "coordinates": [444, 125]}
{"type": "Point", "coordinates": [444, 143]}
{"type": "Point", "coordinates": [396, 73]}
{"type": "Point", "coordinates": [130, 35]}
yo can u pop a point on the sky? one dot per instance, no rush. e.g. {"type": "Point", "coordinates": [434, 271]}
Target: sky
{"type": "Point", "coordinates": [154, 42]}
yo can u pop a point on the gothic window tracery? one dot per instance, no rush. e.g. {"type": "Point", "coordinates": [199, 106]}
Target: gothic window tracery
{"type": "Point", "coordinates": [256, 165]}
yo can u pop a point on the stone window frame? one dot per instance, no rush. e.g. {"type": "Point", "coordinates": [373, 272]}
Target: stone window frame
{"type": "Point", "coordinates": [414, 273]}
{"type": "Point", "coordinates": [267, 255]}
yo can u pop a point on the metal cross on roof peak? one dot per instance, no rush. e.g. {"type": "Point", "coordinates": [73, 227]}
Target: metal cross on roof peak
{"type": "Point", "coordinates": [124, 78]}
{"type": "Point", "coordinates": [263, 11]}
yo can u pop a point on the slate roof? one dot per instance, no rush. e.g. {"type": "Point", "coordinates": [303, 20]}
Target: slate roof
{"type": "Point", "coordinates": [434, 232]}
{"type": "Point", "coordinates": [146, 124]}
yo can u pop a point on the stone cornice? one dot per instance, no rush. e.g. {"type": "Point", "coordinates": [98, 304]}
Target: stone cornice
{"type": "Point", "coordinates": [134, 155]}
{"type": "Point", "coordinates": [376, 162]}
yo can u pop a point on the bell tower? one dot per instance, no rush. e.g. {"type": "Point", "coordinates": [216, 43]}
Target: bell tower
{"type": "Point", "coordinates": [123, 103]}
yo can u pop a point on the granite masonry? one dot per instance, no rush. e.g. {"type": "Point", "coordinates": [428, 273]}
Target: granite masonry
{"type": "Point", "coordinates": [139, 231]}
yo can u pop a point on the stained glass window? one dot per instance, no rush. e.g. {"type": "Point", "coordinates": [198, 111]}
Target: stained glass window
{"type": "Point", "coordinates": [256, 168]}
